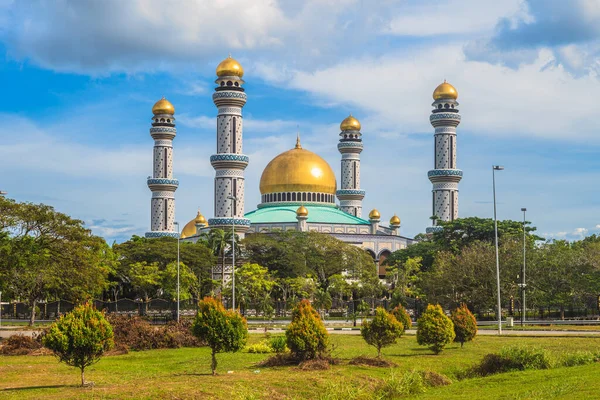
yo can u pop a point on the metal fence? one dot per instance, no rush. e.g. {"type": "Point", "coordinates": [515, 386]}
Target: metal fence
{"type": "Point", "coordinates": [163, 310]}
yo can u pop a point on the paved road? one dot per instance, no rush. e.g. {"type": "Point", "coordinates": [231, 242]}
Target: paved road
{"type": "Point", "coordinates": [4, 332]}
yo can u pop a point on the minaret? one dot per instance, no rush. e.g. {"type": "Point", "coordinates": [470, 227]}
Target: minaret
{"type": "Point", "coordinates": [350, 145]}
{"type": "Point", "coordinates": [445, 177]}
{"type": "Point", "coordinates": [162, 184]}
{"type": "Point", "coordinates": [229, 162]}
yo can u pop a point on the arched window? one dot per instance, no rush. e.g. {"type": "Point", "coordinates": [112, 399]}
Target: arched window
{"type": "Point", "coordinates": [293, 196]}
{"type": "Point", "coordinates": [236, 84]}
{"type": "Point", "coordinates": [229, 83]}
{"type": "Point", "coordinates": [222, 83]}
{"type": "Point", "coordinates": [304, 196]}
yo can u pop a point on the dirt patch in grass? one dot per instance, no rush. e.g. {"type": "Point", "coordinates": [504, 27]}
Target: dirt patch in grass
{"type": "Point", "coordinates": [319, 364]}
{"type": "Point", "coordinates": [435, 379]}
{"type": "Point", "coordinates": [372, 362]}
{"type": "Point", "coordinates": [278, 360]}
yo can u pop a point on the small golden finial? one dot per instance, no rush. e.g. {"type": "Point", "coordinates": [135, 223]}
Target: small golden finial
{"type": "Point", "coordinates": [298, 145]}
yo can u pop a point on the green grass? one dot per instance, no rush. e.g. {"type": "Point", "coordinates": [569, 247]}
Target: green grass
{"type": "Point", "coordinates": [185, 373]}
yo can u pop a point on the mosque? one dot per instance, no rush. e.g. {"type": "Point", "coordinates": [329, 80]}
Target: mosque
{"type": "Point", "coordinates": [299, 190]}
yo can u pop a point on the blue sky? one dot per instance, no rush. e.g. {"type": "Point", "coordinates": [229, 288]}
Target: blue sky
{"type": "Point", "coordinates": [79, 78]}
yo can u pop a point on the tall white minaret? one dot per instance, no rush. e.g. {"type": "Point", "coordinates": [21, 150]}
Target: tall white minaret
{"type": "Point", "coordinates": [162, 184]}
{"type": "Point", "coordinates": [350, 145]}
{"type": "Point", "coordinates": [445, 177]}
{"type": "Point", "coordinates": [229, 162]}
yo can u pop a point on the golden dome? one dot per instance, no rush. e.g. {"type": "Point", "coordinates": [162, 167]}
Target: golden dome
{"type": "Point", "coordinates": [395, 220]}
{"type": "Point", "coordinates": [302, 211]}
{"type": "Point", "coordinates": [163, 106]}
{"type": "Point", "coordinates": [298, 170]}
{"type": "Point", "coordinates": [445, 91]}
{"type": "Point", "coordinates": [374, 214]}
{"type": "Point", "coordinates": [230, 67]}
{"type": "Point", "coordinates": [200, 219]}
{"type": "Point", "coordinates": [350, 124]}
{"type": "Point", "coordinates": [189, 229]}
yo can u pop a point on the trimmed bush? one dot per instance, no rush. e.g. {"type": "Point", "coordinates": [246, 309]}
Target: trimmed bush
{"type": "Point", "coordinates": [260, 348]}
{"type": "Point", "coordinates": [278, 344]}
{"type": "Point", "coordinates": [383, 330]}
{"type": "Point", "coordinates": [80, 337]}
{"type": "Point", "coordinates": [435, 329]}
{"type": "Point", "coordinates": [222, 330]}
{"type": "Point", "coordinates": [465, 324]}
{"type": "Point", "coordinates": [402, 316]}
{"type": "Point", "coordinates": [306, 335]}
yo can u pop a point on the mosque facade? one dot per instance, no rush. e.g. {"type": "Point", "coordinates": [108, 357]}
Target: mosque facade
{"type": "Point", "coordinates": [299, 190]}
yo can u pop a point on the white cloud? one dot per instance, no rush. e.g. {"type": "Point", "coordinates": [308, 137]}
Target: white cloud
{"type": "Point", "coordinates": [451, 17]}
{"type": "Point", "coordinates": [537, 99]}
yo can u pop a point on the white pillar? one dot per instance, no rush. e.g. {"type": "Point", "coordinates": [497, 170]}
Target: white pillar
{"type": "Point", "coordinates": [161, 183]}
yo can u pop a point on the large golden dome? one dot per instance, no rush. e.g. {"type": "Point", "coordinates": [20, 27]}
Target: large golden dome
{"type": "Point", "coordinates": [230, 67]}
{"type": "Point", "coordinates": [163, 106]}
{"type": "Point", "coordinates": [298, 170]}
{"type": "Point", "coordinates": [445, 91]}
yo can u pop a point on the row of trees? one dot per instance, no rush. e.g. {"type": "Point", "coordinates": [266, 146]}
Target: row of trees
{"type": "Point", "coordinates": [46, 255]}
{"type": "Point", "coordinates": [458, 265]}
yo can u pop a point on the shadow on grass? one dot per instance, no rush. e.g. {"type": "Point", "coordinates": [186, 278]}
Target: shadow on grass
{"type": "Point", "coordinates": [15, 389]}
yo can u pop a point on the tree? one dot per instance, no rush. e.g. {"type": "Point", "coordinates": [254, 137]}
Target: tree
{"type": "Point", "coordinates": [306, 335]}
{"type": "Point", "coordinates": [465, 324]}
{"type": "Point", "coordinates": [323, 301]}
{"type": "Point", "coordinates": [163, 251]}
{"type": "Point", "coordinates": [400, 313]}
{"type": "Point", "coordinates": [222, 330]}
{"type": "Point", "coordinates": [383, 330]}
{"type": "Point", "coordinates": [46, 254]}
{"type": "Point", "coordinates": [253, 284]}
{"type": "Point", "coordinates": [145, 279]}
{"type": "Point", "coordinates": [188, 283]}
{"type": "Point", "coordinates": [434, 329]}
{"type": "Point", "coordinates": [80, 338]}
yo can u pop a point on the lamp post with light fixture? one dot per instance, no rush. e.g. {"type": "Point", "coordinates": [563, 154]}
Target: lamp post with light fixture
{"type": "Point", "coordinates": [494, 169]}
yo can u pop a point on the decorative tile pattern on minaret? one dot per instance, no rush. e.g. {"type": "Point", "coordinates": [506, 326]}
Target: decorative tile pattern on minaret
{"type": "Point", "coordinates": [229, 162]}
{"type": "Point", "coordinates": [445, 177]}
{"type": "Point", "coordinates": [161, 183]}
{"type": "Point", "coordinates": [350, 146]}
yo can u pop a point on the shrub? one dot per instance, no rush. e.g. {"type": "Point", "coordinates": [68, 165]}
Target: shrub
{"type": "Point", "coordinates": [465, 324]}
{"type": "Point", "coordinates": [80, 337]}
{"type": "Point", "coordinates": [19, 345]}
{"type": "Point", "coordinates": [278, 344]}
{"type": "Point", "coordinates": [434, 329]}
{"type": "Point", "coordinates": [579, 358]}
{"type": "Point", "coordinates": [383, 330]}
{"type": "Point", "coordinates": [223, 331]}
{"type": "Point", "coordinates": [306, 335]}
{"type": "Point", "coordinates": [513, 358]}
{"type": "Point", "coordinates": [260, 348]}
{"type": "Point", "coordinates": [394, 386]}
{"type": "Point", "coordinates": [402, 316]}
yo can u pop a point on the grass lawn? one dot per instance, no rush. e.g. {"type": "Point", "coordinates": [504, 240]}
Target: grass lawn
{"type": "Point", "coordinates": [185, 373]}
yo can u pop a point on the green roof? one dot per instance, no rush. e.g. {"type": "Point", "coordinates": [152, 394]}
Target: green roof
{"type": "Point", "coordinates": [316, 214]}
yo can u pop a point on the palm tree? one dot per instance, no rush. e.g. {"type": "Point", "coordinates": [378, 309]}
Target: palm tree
{"type": "Point", "coordinates": [219, 241]}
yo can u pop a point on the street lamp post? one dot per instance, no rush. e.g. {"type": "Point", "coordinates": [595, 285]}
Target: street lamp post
{"type": "Point", "coordinates": [233, 200]}
{"type": "Point", "coordinates": [178, 237]}
{"type": "Point", "coordinates": [523, 285]}
{"type": "Point", "coordinates": [0, 309]}
{"type": "Point", "coordinates": [494, 169]}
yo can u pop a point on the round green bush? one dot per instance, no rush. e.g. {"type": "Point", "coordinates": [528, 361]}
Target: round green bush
{"type": "Point", "coordinates": [383, 330]}
{"type": "Point", "coordinates": [306, 335]}
{"type": "Point", "coordinates": [80, 337]}
{"type": "Point", "coordinates": [465, 324]}
{"type": "Point", "coordinates": [402, 316]}
{"type": "Point", "coordinates": [222, 330]}
{"type": "Point", "coordinates": [435, 329]}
